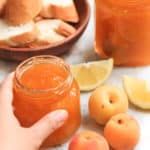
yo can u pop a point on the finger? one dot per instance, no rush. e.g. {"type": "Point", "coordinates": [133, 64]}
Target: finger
{"type": "Point", "coordinates": [49, 124]}
{"type": "Point", "coordinates": [6, 92]}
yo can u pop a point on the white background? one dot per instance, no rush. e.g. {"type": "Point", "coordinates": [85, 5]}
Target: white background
{"type": "Point", "coordinates": [83, 52]}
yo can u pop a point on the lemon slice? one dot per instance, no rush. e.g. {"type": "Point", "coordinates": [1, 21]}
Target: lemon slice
{"type": "Point", "coordinates": [138, 92]}
{"type": "Point", "coordinates": [91, 75]}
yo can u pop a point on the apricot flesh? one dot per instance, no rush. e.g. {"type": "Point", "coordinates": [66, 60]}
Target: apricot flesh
{"type": "Point", "coordinates": [107, 101]}
{"type": "Point", "coordinates": [122, 132]}
{"type": "Point", "coordinates": [88, 140]}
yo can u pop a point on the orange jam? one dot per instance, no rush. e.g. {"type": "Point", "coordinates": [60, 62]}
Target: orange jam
{"type": "Point", "coordinates": [123, 31]}
{"type": "Point", "coordinates": [43, 84]}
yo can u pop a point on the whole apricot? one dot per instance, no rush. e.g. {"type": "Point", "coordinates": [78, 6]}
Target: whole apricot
{"type": "Point", "coordinates": [122, 132]}
{"type": "Point", "coordinates": [88, 140]}
{"type": "Point", "coordinates": [107, 101]}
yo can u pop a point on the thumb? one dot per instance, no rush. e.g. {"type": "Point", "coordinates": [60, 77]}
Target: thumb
{"type": "Point", "coordinates": [47, 125]}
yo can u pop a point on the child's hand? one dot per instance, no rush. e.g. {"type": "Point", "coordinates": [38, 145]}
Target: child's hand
{"type": "Point", "coordinates": [15, 137]}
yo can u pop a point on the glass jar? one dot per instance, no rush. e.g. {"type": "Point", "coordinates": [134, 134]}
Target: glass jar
{"type": "Point", "coordinates": [43, 84]}
{"type": "Point", "coordinates": [123, 31]}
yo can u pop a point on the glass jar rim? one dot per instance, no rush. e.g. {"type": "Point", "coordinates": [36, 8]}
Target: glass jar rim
{"type": "Point", "coordinates": [59, 89]}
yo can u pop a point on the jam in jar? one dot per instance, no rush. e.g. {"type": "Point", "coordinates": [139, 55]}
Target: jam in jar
{"type": "Point", "coordinates": [123, 31]}
{"type": "Point", "coordinates": [43, 84]}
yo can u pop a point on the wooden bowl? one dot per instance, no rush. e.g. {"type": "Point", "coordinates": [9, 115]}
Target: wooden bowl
{"type": "Point", "coordinates": [19, 54]}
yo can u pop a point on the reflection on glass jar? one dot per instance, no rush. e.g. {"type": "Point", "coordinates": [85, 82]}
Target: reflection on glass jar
{"type": "Point", "coordinates": [43, 84]}
{"type": "Point", "coordinates": [122, 31]}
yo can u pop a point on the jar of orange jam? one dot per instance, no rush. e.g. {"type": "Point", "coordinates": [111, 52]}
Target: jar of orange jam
{"type": "Point", "coordinates": [43, 84]}
{"type": "Point", "coordinates": [123, 31]}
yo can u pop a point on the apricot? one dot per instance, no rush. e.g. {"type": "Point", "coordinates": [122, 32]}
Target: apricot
{"type": "Point", "coordinates": [107, 101]}
{"type": "Point", "coordinates": [122, 132]}
{"type": "Point", "coordinates": [88, 140]}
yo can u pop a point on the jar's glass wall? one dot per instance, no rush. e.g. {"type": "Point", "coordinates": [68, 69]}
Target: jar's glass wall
{"type": "Point", "coordinates": [122, 31]}
{"type": "Point", "coordinates": [30, 104]}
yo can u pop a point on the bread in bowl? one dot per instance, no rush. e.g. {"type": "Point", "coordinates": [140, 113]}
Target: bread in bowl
{"type": "Point", "coordinates": [51, 31]}
{"type": "Point", "coordinates": [21, 11]}
{"type": "Point", "coordinates": [58, 26]}
{"type": "Point", "coordinates": [22, 53]}
{"type": "Point", "coordinates": [60, 9]}
{"type": "Point", "coordinates": [17, 36]}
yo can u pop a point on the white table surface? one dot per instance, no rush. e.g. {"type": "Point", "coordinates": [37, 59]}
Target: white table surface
{"type": "Point", "coordinates": [83, 52]}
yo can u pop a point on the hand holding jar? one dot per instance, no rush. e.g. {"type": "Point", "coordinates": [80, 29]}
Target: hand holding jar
{"type": "Point", "coordinates": [15, 137]}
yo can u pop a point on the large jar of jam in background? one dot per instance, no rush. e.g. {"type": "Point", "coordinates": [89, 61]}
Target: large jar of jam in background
{"type": "Point", "coordinates": [43, 84]}
{"type": "Point", "coordinates": [123, 31]}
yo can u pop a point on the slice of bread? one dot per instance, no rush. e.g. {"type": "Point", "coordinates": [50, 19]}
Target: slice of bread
{"type": "Point", "coordinates": [17, 36]}
{"type": "Point", "coordinates": [46, 34]}
{"type": "Point", "coordinates": [21, 11]}
{"type": "Point", "coordinates": [60, 9]}
{"type": "Point", "coordinates": [58, 26]}
{"type": "Point", "coordinates": [52, 31]}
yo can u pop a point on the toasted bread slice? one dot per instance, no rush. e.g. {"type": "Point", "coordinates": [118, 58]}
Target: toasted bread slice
{"type": "Point", "coordinates": [52, 31]}
{"type": "Point", "coordinates": [16, 36]}
{"type": "Point", "coordinates": [60, 9]}
{"type": "Point", "coordinates": [21, 11]}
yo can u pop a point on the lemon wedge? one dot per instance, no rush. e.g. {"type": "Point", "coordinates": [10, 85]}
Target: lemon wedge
{"type": "Point", "coordinates": [91, 75]}
{"type": "Point", "coordinates": [138, 92]}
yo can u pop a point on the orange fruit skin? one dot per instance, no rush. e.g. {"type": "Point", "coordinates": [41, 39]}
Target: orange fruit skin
{"type": "Point", "coordinates": [122, 132]}
{"type": "Point", "coordinates": [105, 102]}
{"type": "Point", "coordinates": [88, 140]}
